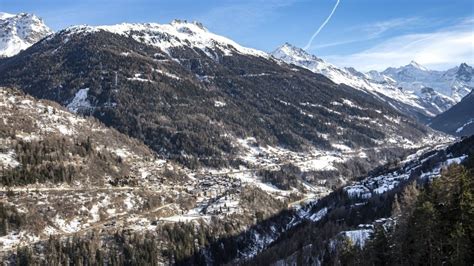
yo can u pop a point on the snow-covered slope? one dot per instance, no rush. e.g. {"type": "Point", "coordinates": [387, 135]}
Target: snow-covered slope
{"type": "Point", "coordinates": [398, 90]}
{"type": "Point", "coordinates": [20, 31]}
{"type": "Point", "coordinates": [178, 33]}
{"type": "Point", "coordinates": [299, 57]}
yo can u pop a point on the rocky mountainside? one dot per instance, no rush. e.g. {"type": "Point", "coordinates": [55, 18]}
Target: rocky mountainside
{"type": "Point", "coordinates": [412, 89]}
{"type": "Point", "coordinates": [197, 98]}
{"type": "Point", "coordinates": [459, 120]}
{"type": "Point", "coordinates": [20, 31]}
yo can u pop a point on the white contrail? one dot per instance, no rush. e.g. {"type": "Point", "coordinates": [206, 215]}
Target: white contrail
{"type": "Point", "coordinates": [322, 26]}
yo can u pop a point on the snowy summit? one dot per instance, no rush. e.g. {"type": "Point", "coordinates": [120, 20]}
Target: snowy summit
{"type": "Point", "coordinates": [178, 33]}
{"type": "Point", "coordinates": [20, 31]}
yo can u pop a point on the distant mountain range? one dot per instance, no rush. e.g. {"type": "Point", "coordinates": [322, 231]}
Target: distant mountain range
{"type": "Point", "coordinates": [412, 89]}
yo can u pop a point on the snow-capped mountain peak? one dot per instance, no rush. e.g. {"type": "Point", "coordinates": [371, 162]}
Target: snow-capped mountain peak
{"type": "Point", "coordinates": [4, 15]}
{"type": "Point", "coordinates": [411, 71]}
{"type": "Point", "coordinates": [297, 56]}
{"type": "Point", "coordinates": [416, 65]}
{"type": "Point", "coordinates": [178, 33]}
{"type": "Point", "coordinates": [465, 72]}
{"type": "Point", "coordinates": [20, 31]}
{"type": "Point", "coordinates": [292, 52]}
{"type": "Point", "coordinates": [179, 22]}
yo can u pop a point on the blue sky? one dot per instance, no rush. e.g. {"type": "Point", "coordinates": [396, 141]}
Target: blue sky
{"type": "Point", "coordinates": [367, 34]}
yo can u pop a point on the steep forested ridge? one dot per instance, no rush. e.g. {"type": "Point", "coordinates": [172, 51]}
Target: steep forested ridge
{"type": "Point", "coordinates": [458, 120]}
{"type": "Point", "coordinates": [434, 226]}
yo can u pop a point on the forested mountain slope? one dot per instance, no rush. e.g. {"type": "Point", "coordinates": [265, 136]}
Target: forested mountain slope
{"type": "Point", "coordinates": [416, 213]}
{"type": "Point", "coordinates": [459, 120]}
{"type": "Point", "coordinates": [191, 95]}
{"type": "Point", "coordinates": [69, 178]}
{"type": "Point", "coordinates": [168, 214]}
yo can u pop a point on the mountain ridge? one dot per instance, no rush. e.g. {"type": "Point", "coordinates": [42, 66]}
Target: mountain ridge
{"type": "Point", "coordinates": [396, 84]}
{"type": "Point", "coordinates": [454, 82]}
{"type": "Point", "coordinates": [458, 120]}
{"type": "Point", "coordinates": [175, 34]}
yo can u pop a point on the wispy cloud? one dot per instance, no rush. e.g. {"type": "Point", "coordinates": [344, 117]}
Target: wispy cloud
{"type": "Point", "coordinates": [376, 30]}
{"type": "Point", "coordinates": [446, 47]}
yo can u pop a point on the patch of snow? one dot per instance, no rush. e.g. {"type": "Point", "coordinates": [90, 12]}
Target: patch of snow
{"type": "Point", "coordinates": [121, 152]}
{"type": "Point", "coordinates": [465, 125]}
{"type": "Point", "coordinates": [16, 238]}
{"type": "Point", "coordinates": [358, 237]}
{"type": "Point", "coordinates": [79, 101]}
{"type": "Point", "coordinates": [49, 230]}
{"type": "Point", "coordinates": [321, 163]}
{"type": "Point", "coordinates": [94, 212]}
{"type": "Point", "coordinates": [184, 218]}
{"type": "Point", "coordinates": [8, 159]}
{"type": "Point", "coordinates": [173, 76]}
{"type": "Point", "coordinates": [137, 77]}
{"type": "Point", "coordinates": [456, 160]}
{"type": "Point", "coordinates": [64, 130]}
{"type": "Point", "coordinates": [143, 173]}
{"type": "Point", "coordinates": [128, 202]}
{"type": "Point", "coordinates": [219, 104]}
{"type": "Point", "coordinates": [358, 191]}
{"type": "Point", "coordinates": [319, 215]}
{"type": "Point", "coordinates": [71, 226]}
